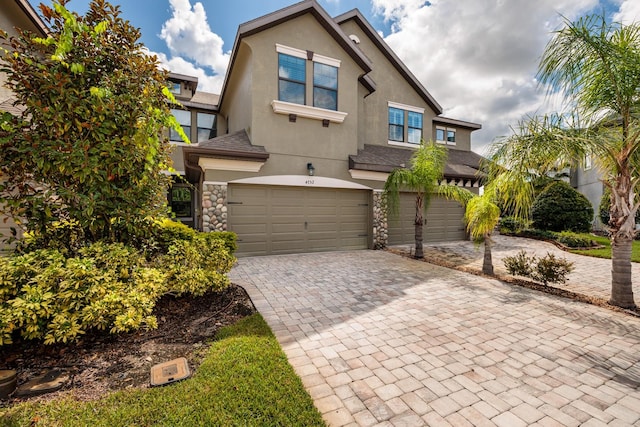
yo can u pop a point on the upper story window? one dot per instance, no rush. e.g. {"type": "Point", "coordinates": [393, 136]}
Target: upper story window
{"type": "Point", "coordinates": [206, 126]}
{"type": "Point", "coordinates": [325, 86]}
{"type": "Point", "coordinates": [396, 124]}
{"type": "Point", "coordinates": [414, 129]}
{"type": "Point", "coordinates": [405, 123]}
{"type": "Point", "coordinates": [291, 79]}
{"type": "Point", "coordinates": [184, 118]}
{"type": "Point", "coordinates": [446, 136]}
{"type": "Point", "coordinates": [175, 87]}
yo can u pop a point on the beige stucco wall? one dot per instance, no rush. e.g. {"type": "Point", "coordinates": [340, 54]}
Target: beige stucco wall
{"type": "Point", "coordinates": [391, 86]}
{"type": "Point", "coordinates": [294, 144]}
{"type": "Point", "coordinates": [236, 111]}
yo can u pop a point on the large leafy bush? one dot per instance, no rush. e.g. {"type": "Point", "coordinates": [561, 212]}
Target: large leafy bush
{"type": "Point", "coordinates": [560, 207]}
{"type": "Point", "coordinates": [88, 148]}
{"type": "Point", "coordinates": [56, 295]}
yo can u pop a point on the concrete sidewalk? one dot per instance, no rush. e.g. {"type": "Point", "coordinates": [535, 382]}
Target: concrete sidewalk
{"type": "Point", "coordinates": [379, 339]}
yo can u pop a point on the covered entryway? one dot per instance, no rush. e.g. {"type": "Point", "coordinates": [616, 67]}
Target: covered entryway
{"type": "Point", "coordinates": [281, 219]}
{"type": "Point", "coordinates": [444, 221]}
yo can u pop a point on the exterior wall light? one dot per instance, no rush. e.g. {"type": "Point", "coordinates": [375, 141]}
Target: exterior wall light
{"type": "Point", "coordinates": [311, 169]}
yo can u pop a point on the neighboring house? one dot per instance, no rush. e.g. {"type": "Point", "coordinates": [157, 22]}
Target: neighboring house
{"type": "Point", "coordinates": [199, 121]}
{"type": "Point", "coordinates": [314, 113]}
{"type": "Point", "coordinates": [588, 181]}
{"type": "Point", "coordinates": [15, 14]}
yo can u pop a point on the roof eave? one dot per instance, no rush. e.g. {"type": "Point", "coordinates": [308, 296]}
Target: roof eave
{"type": "Point", "coordinates": [278, 17]}
{"type": "Point", "coordinates": [456, 122]}
{"type": "Point", "coordinates": [33, 16]}
{"type": "Point", "coordinates": [357, 17]}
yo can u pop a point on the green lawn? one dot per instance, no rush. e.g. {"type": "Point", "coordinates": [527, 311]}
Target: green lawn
{"type": "Point", "coordinates": [245, 380]}
{"type": "Point", "coordinates": [606, 251]}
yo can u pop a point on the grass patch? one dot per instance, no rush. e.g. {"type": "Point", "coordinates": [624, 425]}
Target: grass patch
{"type": "Point", "coordinates": [245, 380]}
{"type": "Point", "coordinates": [605, 252]}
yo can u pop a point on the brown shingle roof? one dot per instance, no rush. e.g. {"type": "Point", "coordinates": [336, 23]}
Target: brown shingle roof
{"type": "Point", "coordinates": [379, 158]}
{"type": "Point", "coordinates": [236, 143]}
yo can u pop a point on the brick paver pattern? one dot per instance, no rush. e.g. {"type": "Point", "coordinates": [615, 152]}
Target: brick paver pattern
{"type": "Point", "coordinates": [379, 339]}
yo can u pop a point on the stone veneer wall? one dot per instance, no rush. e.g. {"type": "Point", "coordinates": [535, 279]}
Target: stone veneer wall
{"type": "Point", "coordinates": [214, 207]}
{"type": "Point", "coordinates": [380, 226]}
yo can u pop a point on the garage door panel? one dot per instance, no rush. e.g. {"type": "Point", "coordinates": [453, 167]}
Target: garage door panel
{"type": "Point", "coordinates": [292, 219]}
{"type": "Point", "coordinates": [443, 221]}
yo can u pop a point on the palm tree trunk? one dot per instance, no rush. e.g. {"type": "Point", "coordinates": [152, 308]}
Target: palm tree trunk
{"type": "Point", "coordinates": [418, 227]}
{"type": "Point", "coordinates": [621, 284]}
{"type": "Point", "coordinates": [487, 263]}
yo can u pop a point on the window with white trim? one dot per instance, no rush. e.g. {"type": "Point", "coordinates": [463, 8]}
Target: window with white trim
{"type": "Point", "coordinates": [396, 124]}
{"type": "Point", "coordinates": [405, 123]}
{"type": "Point", "coordinates": [184, 118]}
{"type": "Point", "coordinates": [445, 136]}
{"type": "Point", "coordinates": [325, 86]}
{"type": "Point", "coordinates": [206, 123]}
{"type": "Point", "coordinates": [293, 78]}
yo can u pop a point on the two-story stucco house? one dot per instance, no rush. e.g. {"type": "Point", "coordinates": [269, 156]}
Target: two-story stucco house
{"type": "Point", "coordinates": [15, 14]}
{"type": "Point", "coordinates": [314, 113]}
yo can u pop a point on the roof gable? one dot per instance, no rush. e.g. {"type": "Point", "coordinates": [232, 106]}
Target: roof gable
{"type": "Point", "coordinates": [373, 35]}
{"type": "Point", "coordinates": [33, 16]}
{"type": "Point", "coordinates": [283, 15]}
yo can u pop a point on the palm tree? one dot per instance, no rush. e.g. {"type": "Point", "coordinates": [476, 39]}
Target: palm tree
{"type": "Point", "coordinates": [481, 216]}
{"type": "Point", "coordinates": [595, 65]}
{"type": "Point", "coordinates": [427, 168]}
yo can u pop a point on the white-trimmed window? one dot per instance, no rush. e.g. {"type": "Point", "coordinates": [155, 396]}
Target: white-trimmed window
{"type": "Point", "coordinates": [206, 126]}
{"type": "Point", "coordinates": [184, 118]}
{"type": "Point", "coordinates": [587, 162]}
{"type": "Point", "coordinates": [325, 86]}
{"type": "Point", "coordinates": [445, 135]}
{"type": "Point", "coordinates": [405, 124]}
{"type": "Point", "coordinates": [293, 78]}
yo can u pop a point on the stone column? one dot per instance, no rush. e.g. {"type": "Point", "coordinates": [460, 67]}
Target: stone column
{"type": "Point", "coordinates": [380, 226]}
{"type": "Point", "coordinates": [214, 207]}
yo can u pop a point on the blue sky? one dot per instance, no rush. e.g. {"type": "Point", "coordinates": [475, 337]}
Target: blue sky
{"type": "Point", "coordinates": [478, 58]}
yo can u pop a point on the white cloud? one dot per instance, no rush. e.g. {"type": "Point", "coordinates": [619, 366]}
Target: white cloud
{"type": "Point", "coordinates": [478, 58]}
{"type": "Point", "coordinates": [206, 82]}
{"type": "Point", "coordinates": [629, 12]}
{"type": "Point", "coordinates": [188, 35]}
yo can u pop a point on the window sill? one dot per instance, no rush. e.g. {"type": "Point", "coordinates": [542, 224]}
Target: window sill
{"type": "Point", "coordinates": [403, 144]}
{"type": "Point", "coordinates": [306, 111]}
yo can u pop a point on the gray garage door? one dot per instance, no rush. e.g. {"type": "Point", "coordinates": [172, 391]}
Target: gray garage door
{"type": "Point", "coordinates": [444, 221]}
{"type": "Point", "coordinates": [280, 220]}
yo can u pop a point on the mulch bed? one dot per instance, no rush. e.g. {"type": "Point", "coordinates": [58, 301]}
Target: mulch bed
{"type": "Point", "coordinates": [100, 363]}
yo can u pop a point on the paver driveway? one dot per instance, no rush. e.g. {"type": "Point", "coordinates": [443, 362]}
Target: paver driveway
{"type": "Point", "coordinates": [380, 339]}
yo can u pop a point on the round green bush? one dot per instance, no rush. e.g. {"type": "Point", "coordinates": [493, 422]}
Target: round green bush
{"type": "Point", "coordinates": [560, 207]}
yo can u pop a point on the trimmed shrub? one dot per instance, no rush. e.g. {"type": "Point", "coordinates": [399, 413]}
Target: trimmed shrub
{"type": "Point", "coordinates": [552, 270]}
{"type": "Point", "coordinates": [538, 234]}
{"type": "Point", "coordinates": [511, 225]}
{"type": "Point", "coordinates": [574, 240]}
{"type": "Point", "coordinates": [548, 269]}
{"type": "Point", "coordinates": [55, 296]}
{"type": "Point", "coordinates": [519, 264]}
{"type": "Point", "coordinates": [49, 297]}
{"type": "Point", "coordinates": [198, 265]}
{"type": "Point", "coordinates": [560, 207]}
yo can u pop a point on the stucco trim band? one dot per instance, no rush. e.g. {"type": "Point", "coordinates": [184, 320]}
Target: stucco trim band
{"type": "Point", "coordinates": [229, 165]}
{"type": "Point", "coordinates": [301, 181]}
{"type": "Point", "coordinates": [281, 107]}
